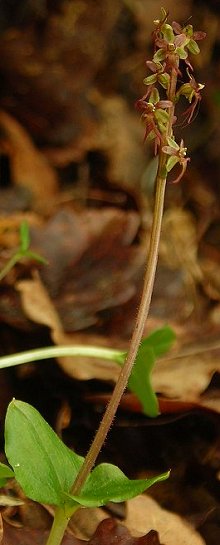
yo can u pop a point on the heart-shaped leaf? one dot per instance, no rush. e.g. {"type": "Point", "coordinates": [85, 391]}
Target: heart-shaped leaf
{"type": "Point", "coordinates": [43, 465]}
{"type": "Point", "coordinates": [46, 469]}
{"type": "Point", "coordinates": [108, 483]}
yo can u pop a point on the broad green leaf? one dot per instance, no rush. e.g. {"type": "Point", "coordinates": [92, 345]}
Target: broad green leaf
{"type": "Point", "coordinates": [5, 474]}
{"type": "Point", "coordinates": [43, 465]}
{"type": "Point", "coordinates": [108, 483]}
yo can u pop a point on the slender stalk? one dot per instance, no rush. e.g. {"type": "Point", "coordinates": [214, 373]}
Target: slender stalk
{"type": "Point", "coordinates": [59, 351]}
{"type": "Point", "coordinates": [143, 311]}
{"type": "Point", "coordinates": [60, 523]}
{"type": "Point", "coordinates": [136, 337]}
{"type": "Point", "coordinates": [9, 265]}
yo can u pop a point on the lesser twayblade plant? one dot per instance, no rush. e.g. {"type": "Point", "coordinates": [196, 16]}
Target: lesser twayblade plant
{"type": "Point", "coordinates": [45, 468]}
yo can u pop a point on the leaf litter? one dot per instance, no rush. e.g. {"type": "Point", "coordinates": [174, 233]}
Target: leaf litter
{"type": "Point", "coordinates": [78, 234]}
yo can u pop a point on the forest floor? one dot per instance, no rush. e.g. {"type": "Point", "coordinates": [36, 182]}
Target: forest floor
{"type": "Point", "coordinates": [73, 165]}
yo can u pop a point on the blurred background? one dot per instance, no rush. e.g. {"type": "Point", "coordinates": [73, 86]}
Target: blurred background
{"type": "Point", "coordinates": [73, 164]}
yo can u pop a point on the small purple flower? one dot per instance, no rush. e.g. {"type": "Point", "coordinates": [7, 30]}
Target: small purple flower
{"type": "Point", "coordinates": [177, 155]}
{"type": "Point", "coordinates": [191, 91]}
{"type": "Point", "coordinates": [191, 36]}
{"type": "Point", "coordinates": [155, 116]}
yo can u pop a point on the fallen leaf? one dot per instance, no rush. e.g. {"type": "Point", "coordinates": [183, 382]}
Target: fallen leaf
{"type": "Point", "coordinates": [39, 308]}
{"type": "Point", "coordinates": [9, 500]}
{"type": "Point", "coordinates": [108, 532]}
{"type": "Point", "coordinates": [120, 140]}
{"type": "Point", "coordinates": [185, 378]}
{"type": "Point", "coordinates": [182, 378]}
{"type": "Point", "coordinates": [144, 513]}
{"type": "Point", "coordinates": [179, 244]}
{"type": "Point", "coordinates": [29, 168]}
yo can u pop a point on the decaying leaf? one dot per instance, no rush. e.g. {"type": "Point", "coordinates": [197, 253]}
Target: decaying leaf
{"type": "Point", "coordinates": [108, 532]}
{"type": "Point", "coordinates": [179, 245]}
{"type": "Point", "coordinates": [39, 308]}
{"type": "Point", "coordinates": [184, 378]}
{"type": "Point", "coordinates": [120, 140]}
{"type": "Point", "coordinates": [187, 377]}
{"type": "Point", "coordinates": [144, 514]}
{"type": "Point", "coordinates": [29, 168]}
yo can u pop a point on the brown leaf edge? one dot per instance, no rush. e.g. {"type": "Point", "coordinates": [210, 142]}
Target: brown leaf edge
{"type": "Point", "coordinates": [108, 532]}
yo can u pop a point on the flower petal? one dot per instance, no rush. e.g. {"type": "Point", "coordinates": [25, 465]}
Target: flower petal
{"type": "Point", "coordinates": [171, 162]}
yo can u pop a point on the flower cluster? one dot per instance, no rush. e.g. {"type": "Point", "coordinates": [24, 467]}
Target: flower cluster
{"type": "Point", "coordinates": [172, 45]}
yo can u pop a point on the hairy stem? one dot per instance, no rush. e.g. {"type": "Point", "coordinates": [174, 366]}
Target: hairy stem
{"type": "Point", "coordinates": [136, 337]}
{"type": "Point", "coordinates": [143, 311]}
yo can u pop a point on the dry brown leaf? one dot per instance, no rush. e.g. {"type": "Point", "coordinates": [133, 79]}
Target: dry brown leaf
{"type": "Point", "coordinates": [37, 304]}
{"type": "Point", "coordinates": [29, 168]}
{"type": "Point", "coordinates": [179, 244]}
{"type": "Point", "coordinates": [39, 308]}
{"type": "Point", "coordinates": [120, 140]}
{"type": "Point", "coordinates": [144, 513]}
{"type": "Point", "coordinates": [184, 378]}
{"type": "Point", "coordinates": [187, 377]}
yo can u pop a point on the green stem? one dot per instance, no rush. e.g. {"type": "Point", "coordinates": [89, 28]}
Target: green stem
{"type": "Point", "coordinates": [60, 523]}
{"type": "Point", "coordinates": [11, 263]}
{"type": "Point", "coordinates": [60, 351]}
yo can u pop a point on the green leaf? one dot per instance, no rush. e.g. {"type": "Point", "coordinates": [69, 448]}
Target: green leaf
{"type": "Point", "coordinates": [44, 467]}
{"type": "Point", "coordinates": [108, 483]}
{"type": "Point", "coordinates": [24, 237]}
{"type": "Point", "coordinates": [153, 346]}
{"type": "Point", "coordinates": [5, 474]}
{"type": "Point", "coordinates": [160, 340]}
{"type": "Point", "coordinates": [140, 380]}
